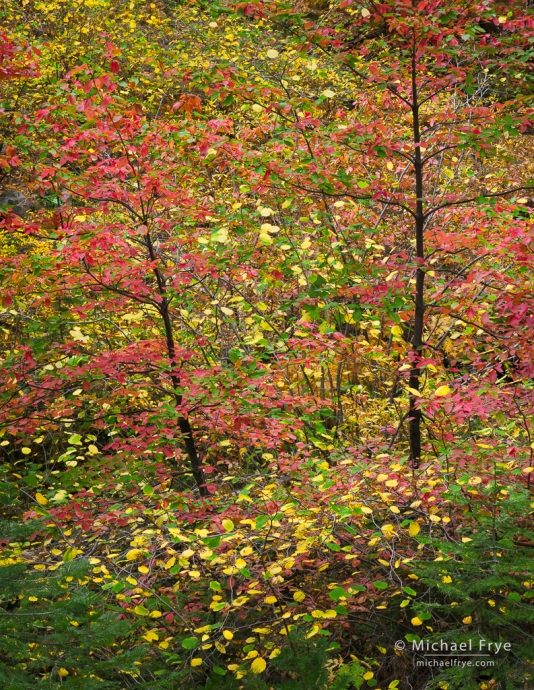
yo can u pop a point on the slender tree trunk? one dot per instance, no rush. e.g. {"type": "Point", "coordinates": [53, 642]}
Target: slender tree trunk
{"type": "Point", "coordinates": [184, 424]}
{"type": "Point", "coordinates": [415, 415]}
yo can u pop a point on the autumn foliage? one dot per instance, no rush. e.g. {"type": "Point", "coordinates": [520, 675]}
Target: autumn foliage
{"type": "Point", "coordinates": [266, 343]}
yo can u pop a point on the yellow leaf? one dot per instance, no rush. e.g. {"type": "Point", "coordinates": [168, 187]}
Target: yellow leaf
{"type": "Point", "coordinates": [441, 391]}
{"type": "Point", "coordinates": [447, 579]}
{"type": "Point", "coordinates": [414, 529]}
{"type": "Point", "coordinates": [272, 53]}
{"type": "Point", "coordinates": [467, 620]}
{"type": "Point", "coordinates": [163, 645]}
{"type": "Point", "coordinates": [270, 600]}
{"type": "Point", "coordinates": [25, 451]}
{"type": "Point", "coordinates": [228, 525]}
{"type": "Point", "coordinates": [41, 500]}
{"type": "Point", "coordinates": [394, 509]}
{"type": "Point", "coordinates": [416, 621]}
{"type": "Point", "coordinates": [196, 661]}
{"type": "Point", "coordinates": [388, 530]}
{"type": "Point", "coordinates": [329, 613]}
{"type": "Point", "coordinates": [63, 672]}
{"type": "Point", "coordinates": [131, 580]}
{"type": "Point", "coordinates": [328, 93]}
{"type": "Point", "coordinates": [465, 540]}
{"type": "Point", "coordinates": [33, 599]}
{"type": "Point", "coordinates": [523, 200]}
{"type": "Point", "coordinates": [70, 554]}
{"type": "Point", "coordinates": [258, 665]}
{"type": "Point", "coordinates": [227, 311]}
{"type": "Point", "coordinates": [366, 13]}
{"type": "Point", "coordinates": [170, 563]}
{"type": "Point", "coordinates": [156, 614]}
{"type": "Point", "coordinates": [143, 569]}
{"type": "Point", "coordinates": [313, 631]}
{"type": "Point", "coordinates": [133, 554]}
{"type": "Point", "coordinates": [240, 563]}
{"type": "Point", "coordinates": [396, 330]}
{"type": "Point", "coordinates": [228, 635]}
{"type": "Point", "coordinates": [413, 391]}
{"type": "Point", "coordinates": [151, 636]}
{"type": "Point", "coordinates": [368, 675]}
{"type": "Point", "coordinates": [299, 596]}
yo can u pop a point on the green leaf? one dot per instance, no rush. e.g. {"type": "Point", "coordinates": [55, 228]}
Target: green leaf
{"type": "Point", "coordinates": [190, 643]}
{"type": "Point", "coordinates": [337, 593]}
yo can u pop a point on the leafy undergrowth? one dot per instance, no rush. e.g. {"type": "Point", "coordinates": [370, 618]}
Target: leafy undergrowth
{"type": "Point", "coordinates": [306, 584]}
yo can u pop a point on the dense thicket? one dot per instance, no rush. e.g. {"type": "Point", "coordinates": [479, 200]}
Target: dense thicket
{"type": "Point", "coordinates": [266, 344]}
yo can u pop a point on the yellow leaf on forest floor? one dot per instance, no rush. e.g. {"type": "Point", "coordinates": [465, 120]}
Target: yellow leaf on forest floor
{"type": "Point", "coordinates": [151, 636]}
{"type": "Point", "coordinates": [414, 529]}
{"type": "Point", "coordinates": [258, 665]}
{"type": "Point", "coordinates": [133, 554]}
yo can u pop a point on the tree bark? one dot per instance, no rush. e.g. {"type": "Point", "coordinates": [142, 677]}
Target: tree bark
{"type": "Point", "coordinates": [184, 424]}
{"type": "Point", "coordinates": [415, 415]}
